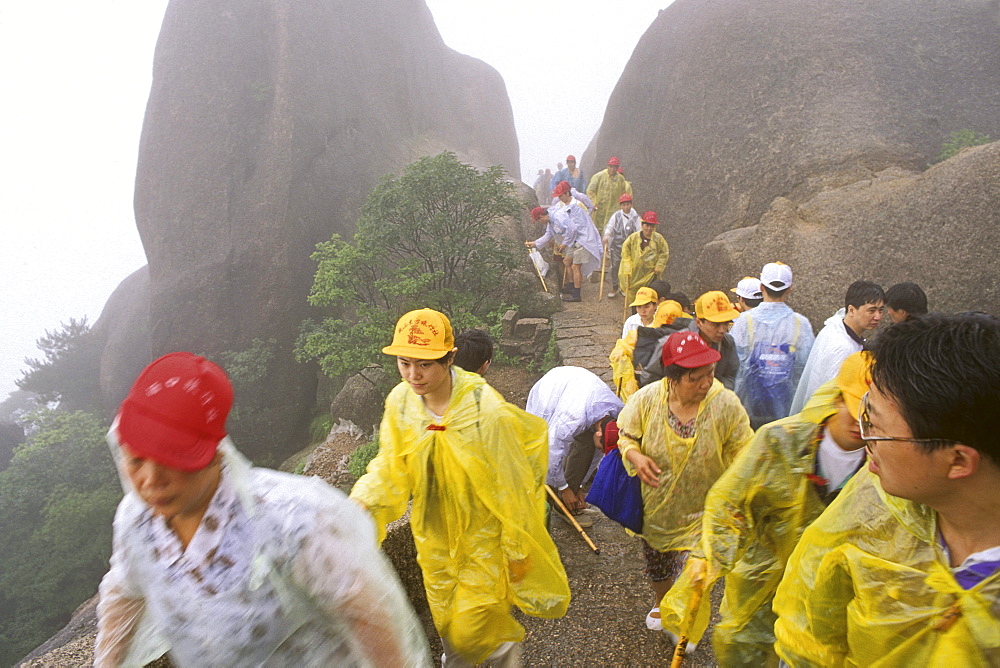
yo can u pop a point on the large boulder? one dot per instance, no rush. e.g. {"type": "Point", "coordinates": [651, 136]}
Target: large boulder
{"type": "Point", "coordinates": [939, 228]}
{"type": "Point", "coordinates": [727, 105]}
{"type": "Point", "coordinates": [268, 123]}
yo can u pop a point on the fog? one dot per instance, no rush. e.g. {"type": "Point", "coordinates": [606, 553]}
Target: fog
{"type": "Point", "coordinates": [76, 83]}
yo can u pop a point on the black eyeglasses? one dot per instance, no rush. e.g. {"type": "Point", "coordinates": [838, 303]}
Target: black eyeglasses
{"type": "Point", "coordinates": [865, 426]}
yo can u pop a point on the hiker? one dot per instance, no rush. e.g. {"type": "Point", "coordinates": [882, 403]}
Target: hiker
{"type": "Point", "coordinates": [773, 344]}
{"type": "Point", "coordinates": [904, 301]}
{"type": "Point", "coordinates": [553, 234]}
{"type": "Point", "coordinates": [748, 294]}
{"type": "Point", "coordinates": [219, 563]}
{"type": "Point", "coordinates": [581, 244]}
{"type": "Point", "coordinates": [756, 511]}
{"type": "Point", "coordinates": [843, 333]}
{"type": "Point", "coordinates": [622, 224]}
{"type": "Point", "coordinates": [903, 568]}
{"type": "Point", "coordinates": [714, 315]}
{"type": "Point", "coordinates": [644, 303]}
{"type": "Point", "coordinates": [644, 257]}
{"type": "Point", "coordinates": [576, 404]}
{"type": "Point", "coordinates": [473, 466]}
{"type": "Point", "coordinates": [678, 435]}
{"type": "Point", "coordinates": [632, 352]}
{"type": "Point", "coordinates": [474, 351]}
{"type": "Point", "coordinates": [571, 174]}
{"type": "Point", "coordinates": [605, 190]}
{"type": "Point", "coordinates": [542, 187]}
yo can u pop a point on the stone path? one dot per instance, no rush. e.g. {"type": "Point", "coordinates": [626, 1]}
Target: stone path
{"type": "Point", "coordinates": [586, 331]}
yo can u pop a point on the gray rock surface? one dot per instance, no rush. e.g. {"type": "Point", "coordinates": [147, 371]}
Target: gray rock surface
{"type": "Point", "coordinates": [123, 328]}
{"type": "Point", "coordinates": [363, 397]}
{"type": "Point", "coordinates": [726, 105]}
{"type": "Point", "coordinates": [939, 228]}
{"type": "Point", "coordinates": [267, 124]}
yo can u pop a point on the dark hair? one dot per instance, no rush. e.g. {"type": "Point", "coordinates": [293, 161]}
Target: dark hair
{"type": "Point", "coordinates": [675, 372]}
{"type": "Point", "coordinates": [773, 294]}
{"type": "Point", "coordinates": [661, 287]}
{"type": "Point", "coordinates": [446, 358]}
{"type": "Point", "coordinates": [751, 303]}
{"type": "Point", "coordinates": [906, 297]}
{"type": "Point", "coordinates": [863, 292]}
{"type": "Point", "coordinates": [943, 372]}
{"type": "Point", "coordinates": [681, 299]}
{"type": "Point", "coordinates": [475, 348]}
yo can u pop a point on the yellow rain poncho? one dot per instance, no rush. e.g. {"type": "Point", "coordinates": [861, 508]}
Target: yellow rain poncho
{"type": "Point", "coordinates": [869, 585]}
{"type": "Point", "coordinates": [604, 191]}
{"type": "Point", "coordinates": [622, 367]}
{"type": "Point", "coordinates": [754, 516]}
{"type": "Point", "coordinates": [638, 267]}
{"type": "Point", "coordinates": [476, 478]}
{"type": "Point", "coordinates": [690, 466]}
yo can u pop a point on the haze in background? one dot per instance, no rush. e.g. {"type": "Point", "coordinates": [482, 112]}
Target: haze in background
{"type": "Point", "coordinates": [76, 81]}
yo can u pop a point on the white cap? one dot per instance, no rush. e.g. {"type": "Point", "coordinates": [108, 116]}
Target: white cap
{"type": "Point", "coordinates": [748, 288]}
{"type": "Point", "coordinates": [776, 275]}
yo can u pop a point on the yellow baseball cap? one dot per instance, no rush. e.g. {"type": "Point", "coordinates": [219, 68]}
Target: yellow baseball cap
{"type": "Point", "coordinates": [424, 334]}
{"type": "Point", "coordinates": [715, 306]}
{"type": "Point", "coordinates": [854, 378]}
{"type": "Point", "coordinates": [666, 312]}
{"type": "Point", "coordinates": [645, 296]}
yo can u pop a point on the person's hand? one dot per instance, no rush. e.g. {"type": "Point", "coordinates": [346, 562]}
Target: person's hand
{"type": "Point", "coordinates": [645, 468]}
{"type": "Point", "coordinates": [517, 570]}
{"type": "Point", "coordinates": [581, 499]}
{"type": "Point", "coordinates": [529, 244]}
{"type": "Point", "coordinates": [562, 249]}
{"type": "Point", "coordinates": [569, 499]}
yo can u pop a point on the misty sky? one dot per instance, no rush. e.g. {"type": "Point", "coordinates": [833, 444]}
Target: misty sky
{"type": "Point", "coordinates": [76, 78]}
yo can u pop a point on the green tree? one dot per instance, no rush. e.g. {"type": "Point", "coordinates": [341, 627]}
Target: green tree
{"type": "Point", "coordinates": [57, 502]}
{"type": "Point", "coordinates": [427, 238]}
{"type": "Point", "coordinates": [956, 141]}
{"type": "Point", "coordinates": [70, 370]}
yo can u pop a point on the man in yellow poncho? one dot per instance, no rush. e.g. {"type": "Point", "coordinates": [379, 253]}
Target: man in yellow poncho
{"type": "Point", "coordinates": [644, 257]}
{"type": "Point", "coordinates": [757, 510]}
{"type": "Point", "coordinates": [604, 190]}
{"type": "Point", "coordinates": [903, 568]}
{"type": "Point", "coordinates": [474, 467]}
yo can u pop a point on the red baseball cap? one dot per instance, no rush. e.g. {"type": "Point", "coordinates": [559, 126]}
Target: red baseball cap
{"type": "Point", "coordinates": [650, 217]}
{"type": "Point", "coordinates": [175, 413]}
{"type": "Point", "coordinates": [561, 188]}
{"type": "Point", "coordinates": [688, 350]}
{"type": "Point", "coordinates": [538, 212]}
{"type": "Point", "coordinates": [570, 158]}
{"type": "Point", "coordinates": [614, 161]}
{"type": "Point", "coordinates": [610, 436]}
{"type": "Point", "coordinates": [625, 198]}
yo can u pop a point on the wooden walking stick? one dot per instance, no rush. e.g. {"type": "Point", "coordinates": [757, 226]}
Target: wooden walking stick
{"type": "Point", "coordinates": [562, 507]}
{"type": "Point", "coordinates": [538, 271]}
{"type": "Point", "coordinates": [604, 260]}
{"type": "Point", "coordinates": [689, 617]}
{"type": "Point", "coordinates": [625, 311]}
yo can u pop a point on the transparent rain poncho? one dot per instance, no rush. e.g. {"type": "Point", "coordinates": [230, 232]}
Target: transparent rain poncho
{"type": "Point", "coordinates": [639, 267]}
{"type": "Point", "coordinates": [690, 466]}
{"type": "Point", "coordinates": [570, 399]}
{"type": "Point", "coordinates": [604, 191]}
{"type": "Point", "coordinates": [294, 577]}
{"type": "Point", "coordinates": [754, 516]}
{"type": "Point", "coordinates": [869, 585]}
{"type": "Point", "coordinates": [476, 479]}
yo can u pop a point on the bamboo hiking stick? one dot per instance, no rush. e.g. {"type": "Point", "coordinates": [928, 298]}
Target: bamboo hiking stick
{"type": "Point", "coordinates": [538, 271]}
{"type": "Point", "coordinates": [562, 507]}
{"type": "Point", "coordinates": [689, 615]}
{"type": "Point", "coordinates": [604, 260]}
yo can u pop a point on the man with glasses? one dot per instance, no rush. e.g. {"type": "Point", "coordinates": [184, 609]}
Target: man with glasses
{"type": "Point", "coordinates": [903, 568]}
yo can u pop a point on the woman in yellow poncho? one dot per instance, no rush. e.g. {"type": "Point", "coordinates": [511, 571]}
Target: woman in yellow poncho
{"type": "Point", "coordinates": [474, 467]}
{"type": "Point", "coordinates": [644, 257]}
{"type": "Point", "coordinates": [678, 435]}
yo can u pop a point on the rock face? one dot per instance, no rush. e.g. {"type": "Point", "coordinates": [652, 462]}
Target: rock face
{"type": "Point", "coordinates": [939, 228]}
{"type": "Point", "coordinates": [123, 328]}
{"type": "Point", "coordinates": [267, 124]}
{"type": "Point", "coordinates": [727, 105]}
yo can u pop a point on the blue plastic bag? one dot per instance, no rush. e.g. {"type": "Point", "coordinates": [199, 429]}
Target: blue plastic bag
{"type": "Point", "coordinates": [617, 493]}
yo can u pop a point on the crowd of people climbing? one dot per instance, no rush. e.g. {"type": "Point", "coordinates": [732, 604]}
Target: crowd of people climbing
{"type": "Point", "coordinates": [845, 485]}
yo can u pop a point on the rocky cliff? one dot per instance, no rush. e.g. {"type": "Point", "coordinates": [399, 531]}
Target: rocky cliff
{"type": "Point", "coordinates": [267, 124]}
{"type": "Point", "coordinates": [727, 105]}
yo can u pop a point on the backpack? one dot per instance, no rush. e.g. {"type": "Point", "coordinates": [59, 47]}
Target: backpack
{"type": "Point", "coordinates": [769, 374]}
